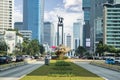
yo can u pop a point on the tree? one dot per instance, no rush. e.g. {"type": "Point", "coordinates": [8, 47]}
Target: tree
{"type": "Point", "coordinates": [25, 46]}
{"type": "Point", "coordinates": [101, 48]}
{"type": "Point", "coordinates": [111, 49]}
{"type": "Point", "coordinates": [80, 51]}
{"type": "Point", "coordinates": [3, 47]}
{"type": "Point", "coordinates": [42, 49]}
{"type": "Point", "coordinates": [33, 47]}
{"type": "Point", "coordinates": [117, 54]}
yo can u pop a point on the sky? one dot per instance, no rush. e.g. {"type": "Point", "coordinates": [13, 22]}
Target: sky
{"type": "Point", "coordinates": [70, 10]}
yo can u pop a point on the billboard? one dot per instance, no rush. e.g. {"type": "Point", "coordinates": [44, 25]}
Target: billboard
{"type": "Point", "coordinates": [87, 42]}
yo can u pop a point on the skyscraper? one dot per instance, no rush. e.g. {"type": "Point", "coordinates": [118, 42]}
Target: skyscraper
{"type": "Point", "coordinates": [77, 34]}
{"type": "Point", "coordinates": [18, 25]}
{"type": "Point", "coordinates": [86, 29]}
{"type": "Point", "coordinates": [98, 31]}
{"type": "Point", "coordinates": [6, 15]}
{"type": "Point", "coordinates": [112, 24]}
{"type": "Point", "coordinates": [114, 1]}
{"type": "Point", "coordinates": [69, 41]}
{"type": "Point", "coordinates": [49, 33]}
{"type": "Point", "coordinates": [33, 11]}
{"type": "Point", "coordinates": [95, 13]}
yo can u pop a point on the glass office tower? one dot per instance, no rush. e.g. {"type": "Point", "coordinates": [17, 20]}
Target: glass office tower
{"type": "Point", "coordinates": [86, 29]}
{"type": "Point", "coordinates": [96, 15]}
{"type": "Point", "coordinates": [33, 11]}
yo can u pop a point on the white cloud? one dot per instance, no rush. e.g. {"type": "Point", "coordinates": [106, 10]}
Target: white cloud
{"type": "Point", "coordinates": [69, 18]}
{"type": "Point", "coordinates": [74, 5]}
{"type": "Point", "coordinates": [71, 12]}
{"type": "Point", "coordinates": [77, 9]}
{"type": "Point", "coordinates": [18, 16]}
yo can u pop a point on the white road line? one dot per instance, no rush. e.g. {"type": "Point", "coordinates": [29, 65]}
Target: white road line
{"type": "Point", "coordinates": [105, 78]}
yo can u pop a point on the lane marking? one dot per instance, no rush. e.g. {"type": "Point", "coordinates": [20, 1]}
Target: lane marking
{"type": "Point", "coordinates": [105, 78]}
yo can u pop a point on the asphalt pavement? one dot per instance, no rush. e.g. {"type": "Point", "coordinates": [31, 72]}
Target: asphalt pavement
{"type": "Point", "coordinates": [18, 72]}
{"type": "Point", "coordinates": [102, 72]}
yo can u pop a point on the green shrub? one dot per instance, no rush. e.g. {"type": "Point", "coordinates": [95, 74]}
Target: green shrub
{"type": "Point", "coordinates": [65, 57]}
{"type": "Point", "coordinates": [62, 63]}
{"type": "Point", "coordinates": [62, 68]}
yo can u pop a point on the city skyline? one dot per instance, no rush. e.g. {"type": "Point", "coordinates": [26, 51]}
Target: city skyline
{"type": "Point", "coordinates": [71, 10]}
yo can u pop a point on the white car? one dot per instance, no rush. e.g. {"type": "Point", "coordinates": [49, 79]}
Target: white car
{"type": "Point", "coordinates": [13, 58]}
{"type": "Point", "coordinates": [117, 60]}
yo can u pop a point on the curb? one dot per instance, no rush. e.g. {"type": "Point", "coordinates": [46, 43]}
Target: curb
{"type": "Point", "coordinates": [11, 65]}
{"type": "Point", "coordinates": [108, 66]}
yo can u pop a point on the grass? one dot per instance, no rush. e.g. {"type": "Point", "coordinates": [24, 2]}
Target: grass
{"type": "Point", "coordinates": [61, 70]}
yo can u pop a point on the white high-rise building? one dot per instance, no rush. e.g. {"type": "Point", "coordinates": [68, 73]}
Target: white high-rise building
{"type": "Point", "coordinates": [69, 41]}
{"type": "Point", "coordinates": [6, 15]}
{"type": "Point", "coordinates": [49, 33]}
{"type": "Point", "coordinates": [111, 25]}
{"type": "Point", "coordinates": [78, 34]}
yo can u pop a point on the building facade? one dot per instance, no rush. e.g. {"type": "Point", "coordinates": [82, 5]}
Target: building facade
{"type": "Point", "coordinates": [98, 32]}
{"type": "Point", "coordinates": [95, 13]}
{"type": "Point", "coordinates": [114, 1]}
{"type": "Point", "coordinates": [18, 26]}
{"type": "Point", "coordinates": [26, 34]}
{"type": "Point", "coordinates": [12, 40]}
{"type": "Point", "coordinates": [86, 6]}
{"type": "Point", "coordinates": [33, 16]}
{"type": "Point", "coordinates": [112, 24]}
{"type": "Point", "coordinates": [69, 41]}
{"type": "Point", "coordinates": [77, 34]}
{"type": "Point", "coordinates": [49, 33]}
{"type": "Point", "coordinates": [6, 15]}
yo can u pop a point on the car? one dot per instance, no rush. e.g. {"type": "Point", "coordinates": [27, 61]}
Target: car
{"type": "Point", "coordinates": [110, 61]}
{"type": "Point", "coordinates": [13, 58]}
{"type": "Point", "coordinates": [117, 60]}
{"type": "Point", "coordinates": [2, 59]}
{"type": "Point", "coordinates": [5, 59]}
{"type": "Point", "coordinates": [19, 58]}
{"type": "Point", "coordinates": [36, 57]}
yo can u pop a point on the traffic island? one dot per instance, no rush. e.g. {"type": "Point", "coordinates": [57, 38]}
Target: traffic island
{"type": "Point", "coordinates": [61, 70]}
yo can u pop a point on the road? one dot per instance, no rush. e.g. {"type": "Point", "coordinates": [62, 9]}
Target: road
{"type": "Point", "coordinates": [105, 73]}
{"type": "Point", "coordinates": [18, 72]}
